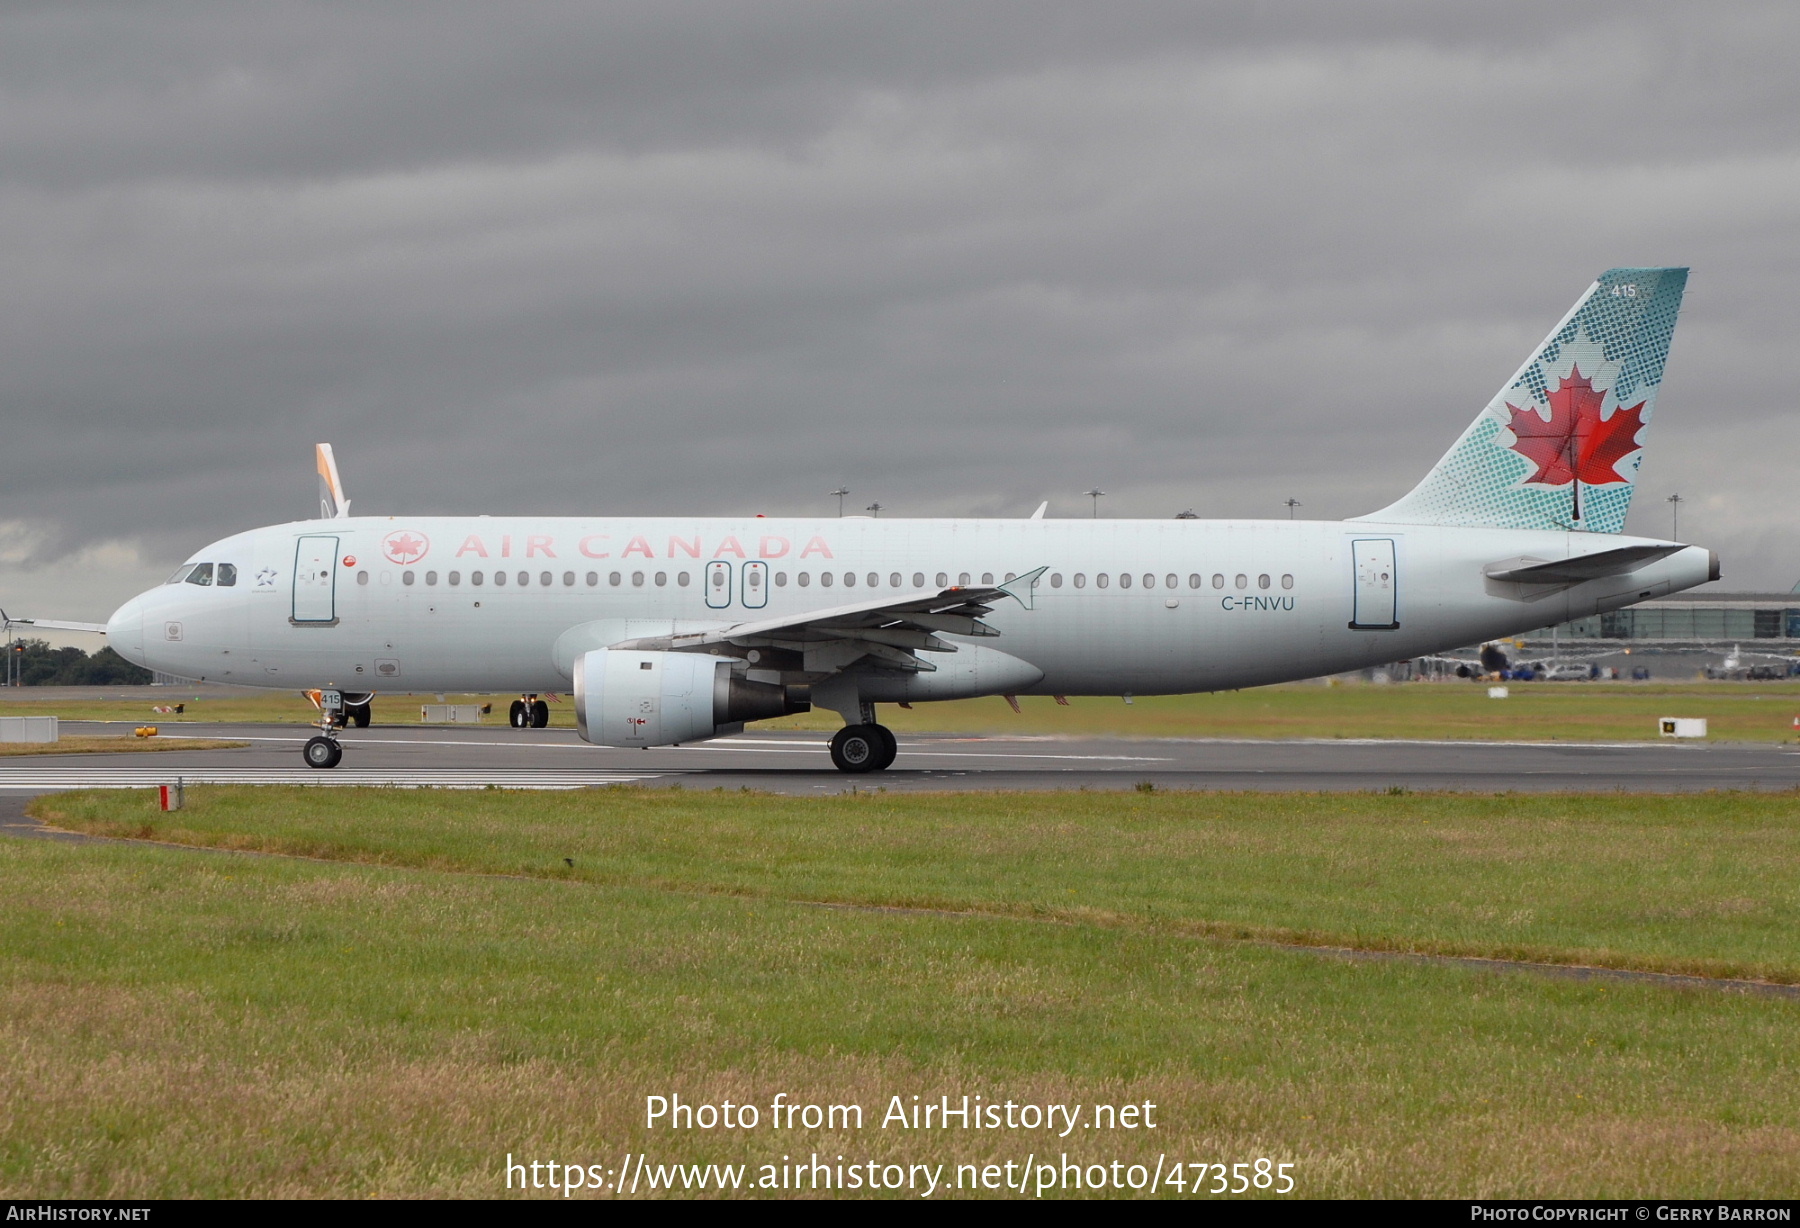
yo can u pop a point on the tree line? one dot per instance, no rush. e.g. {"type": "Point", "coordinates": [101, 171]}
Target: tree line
{"type": "Point", "coordinates": [35, 663]}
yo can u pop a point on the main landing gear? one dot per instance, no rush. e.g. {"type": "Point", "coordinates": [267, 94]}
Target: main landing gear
{"type": "Point", "coordinates": [528, 712]}
{"type": "Point", "coordinates": [864, 748]}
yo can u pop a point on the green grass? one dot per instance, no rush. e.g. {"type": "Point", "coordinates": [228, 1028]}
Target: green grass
{"type": "Point", "coordinates": [255, 707]}
{"type": "Point", "coordinates": [1568, 711]}
{"type": "Point", "coordinates": [1542, 711]}
{"type": "Point", "coordinates": [114, 746]}
{"type": "Point", "coordinates": [1687, 883]}
{"type": "Point", "coordinates": [178, 1025]}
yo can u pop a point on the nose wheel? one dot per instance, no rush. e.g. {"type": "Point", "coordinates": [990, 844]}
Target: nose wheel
{"type": "Point", "coordinates": [323, 750]}
{"type": "Point", "coordinates": [864, 748]}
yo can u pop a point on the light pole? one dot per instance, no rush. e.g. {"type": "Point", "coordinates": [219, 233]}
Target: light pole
{"type": "Point", "coordinates": [1291, 505]}
{"type": "Point", "coordinates": [1095, 494]}
{"type": "Point", "coordinates": [840, 492]}
{"type": "Point", "coordinates": [1674, 502]}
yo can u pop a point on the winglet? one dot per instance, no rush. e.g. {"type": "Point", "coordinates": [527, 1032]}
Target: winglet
{"type": "Point", "coordinates": [49, 624]}
{"type": "Point", "coordinates": [1023, 587]}
{"type": "Point", "coordinates": [333, 505]}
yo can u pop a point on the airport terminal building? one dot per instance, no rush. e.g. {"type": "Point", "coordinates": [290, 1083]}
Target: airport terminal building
{"type": "Point", "coordinates": [1691, 621]}
{"type": "Point", "coordinates": [1683, 634]}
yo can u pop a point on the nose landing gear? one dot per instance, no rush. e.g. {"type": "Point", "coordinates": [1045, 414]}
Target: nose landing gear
{"type": "Point", "coordinates": [324, 751]}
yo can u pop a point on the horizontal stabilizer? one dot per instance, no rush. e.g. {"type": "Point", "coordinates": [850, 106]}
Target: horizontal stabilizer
{"type": "Point", "coordinates": [1578, 570]}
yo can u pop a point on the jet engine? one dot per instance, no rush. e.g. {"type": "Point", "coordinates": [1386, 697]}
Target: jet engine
{"type": "Point", "coordinates": [629, 698]}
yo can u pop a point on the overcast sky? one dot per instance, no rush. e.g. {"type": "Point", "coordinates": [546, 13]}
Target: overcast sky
{"type": "Point", "coordinates": [960, 257]}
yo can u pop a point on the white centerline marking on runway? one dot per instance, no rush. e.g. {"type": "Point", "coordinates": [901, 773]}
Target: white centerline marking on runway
{"type": "Point", "coordinates": [759, 748]}
{"type": "Point", "coordinates": [145, 778]}
{"type": "Point", "coordinates": [997, 754]}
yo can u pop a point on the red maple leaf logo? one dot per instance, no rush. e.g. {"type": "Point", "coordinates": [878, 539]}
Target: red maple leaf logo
{"type": "Point", "coordinates": [404, 547]}
{"type": "Point", "coordinates": [1576, 444]}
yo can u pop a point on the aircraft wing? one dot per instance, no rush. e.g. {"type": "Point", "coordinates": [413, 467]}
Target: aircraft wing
{"type": "Point", "coordinates": [891, 630]}
{"type": "Point", "coordinates": [50, 624]}
{"type": "Point", "coordinates": [1578, 570]}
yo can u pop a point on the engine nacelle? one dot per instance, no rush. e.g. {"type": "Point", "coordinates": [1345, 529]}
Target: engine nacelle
{"type": "Point", "coordinates": [629, 698]}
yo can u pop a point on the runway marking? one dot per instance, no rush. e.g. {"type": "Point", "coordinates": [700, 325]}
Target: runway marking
{"type": "Point", "coordinates": [807, 744]}
{"type": "Point", "coordinates": [1459, 743]}
{"type": "Point", "coordinates": [54, 778]}
{"type": "Point", "coordinates": [997, 754]}
{"type": "Point", "coordinates": [759, 748]}
{"type": "Point", "coordinates": [369, 741]}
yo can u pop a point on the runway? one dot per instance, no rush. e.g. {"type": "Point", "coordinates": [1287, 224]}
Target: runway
{"type": "Point", "coordinates": [797, 763]}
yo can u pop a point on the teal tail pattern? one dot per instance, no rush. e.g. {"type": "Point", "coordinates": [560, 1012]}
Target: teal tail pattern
{"type": "Point", "coordinates": [1560, 445]}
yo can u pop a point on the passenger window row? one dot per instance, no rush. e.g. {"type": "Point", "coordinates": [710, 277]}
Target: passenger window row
{"type": "Point", "coordinates": [638, 579]}
{"type": "Point", "coordinates": [224, 575]}
{"type": "Point", "coordinates": [895, 579]}
{"type": "Point", "coordinates": [1149, 580]}
{"type": "Point", "coordinates": [546, 579]}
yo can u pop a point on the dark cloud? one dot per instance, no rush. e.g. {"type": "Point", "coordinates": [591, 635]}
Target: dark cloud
{"type": "Point", "coordinates": [721, 257]}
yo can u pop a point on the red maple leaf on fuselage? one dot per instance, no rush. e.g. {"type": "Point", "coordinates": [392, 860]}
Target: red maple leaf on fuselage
{"type": "Point", "coordinates": [403, 547]}
{"type": "Point", "coordinates": [1576, 443]}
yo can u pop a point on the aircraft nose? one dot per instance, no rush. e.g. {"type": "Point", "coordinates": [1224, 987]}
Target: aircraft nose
{"type": "Point", "coordinates": [125, 631]}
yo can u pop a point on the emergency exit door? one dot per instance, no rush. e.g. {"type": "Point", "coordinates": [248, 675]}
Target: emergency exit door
{"type": "Point", "coordinates": [718, 585]}
{"type": "Point", "coordinates": [1376, 606]}
{"type": "Point", "coordinates": [756, 586]}
{"type": "Point", "coordinates": [315, 580]}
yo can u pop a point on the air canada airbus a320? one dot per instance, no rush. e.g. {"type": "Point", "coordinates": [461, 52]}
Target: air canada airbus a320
{"type": "Point", "coordinates": [671, 631]}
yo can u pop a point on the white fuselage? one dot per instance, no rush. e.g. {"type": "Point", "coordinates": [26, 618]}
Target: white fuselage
{"type": "Point", "coordinates": [1161, 606]}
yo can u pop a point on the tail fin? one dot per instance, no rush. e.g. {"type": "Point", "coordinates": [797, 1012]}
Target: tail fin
{"type": "Point", "coordinates": [1559, 447]}
{"type": "Point", "coordinates": [333, 504]}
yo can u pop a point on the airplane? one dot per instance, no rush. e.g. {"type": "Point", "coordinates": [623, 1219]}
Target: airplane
{"type": "Point", "coordinates": [668, 631]}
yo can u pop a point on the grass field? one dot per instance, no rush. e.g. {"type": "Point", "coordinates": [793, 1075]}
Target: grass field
{"type": "Point", "coordinates": [1572, 711]}
{"type": "Point", "coordinates": [114, 746]}
{"type": "Point", "coordinates": [440, 986]}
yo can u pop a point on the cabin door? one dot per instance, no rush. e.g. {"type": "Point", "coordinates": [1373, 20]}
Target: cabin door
{"type": "Point", "coordinates": [1376, 607]}
{"type": "Point", "coordinates": [315, 580]}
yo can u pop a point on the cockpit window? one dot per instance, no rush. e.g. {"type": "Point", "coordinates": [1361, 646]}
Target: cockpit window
{"type": "Point", "coordinates": [202, 574]}
{"type": "Point", "coordinates": [180, 573]}
{"type": "Point", "coordinates": [226, 576]}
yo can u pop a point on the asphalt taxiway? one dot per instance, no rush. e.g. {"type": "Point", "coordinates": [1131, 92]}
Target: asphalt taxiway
{"type": "Point", "coordinates": [798, 763]}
